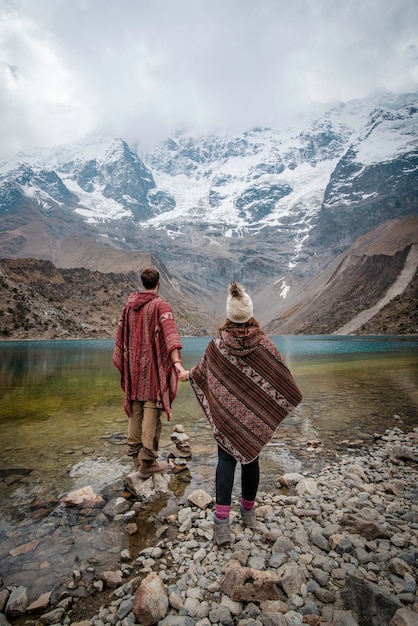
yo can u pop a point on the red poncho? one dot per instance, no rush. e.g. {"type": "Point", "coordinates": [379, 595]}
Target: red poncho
{"type": "Point", "coordinates": [145, 337]}
{"type": "Point", "coordinates": [245, 390]}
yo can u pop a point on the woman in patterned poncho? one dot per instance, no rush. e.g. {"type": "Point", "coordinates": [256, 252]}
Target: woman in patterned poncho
{"type": "Point", "coordinates": [245, 390]}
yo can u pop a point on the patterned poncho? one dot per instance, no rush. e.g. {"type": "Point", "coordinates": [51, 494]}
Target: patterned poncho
{"type": "Point", "coordinates": [245, 390]}
{"type": "Point", "coordinates": [145, 337]}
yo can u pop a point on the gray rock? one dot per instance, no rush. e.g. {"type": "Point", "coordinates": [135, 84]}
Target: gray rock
{"type": "Point", "coordinates": [17, 602]}
{"type": "Point", "coordinates": [291, 578]}
{"type": "Point", "coordinates": [196, 608]}
{"type": "Point", "coordinates": [404, 617]}
{"type": "Point", "coordinates": [52, 617]}
{"type": "Point", "coordinates": [3, 620]}
{"type": "Point", "coordinates": [124, 608]}
{"type": "Point", "coordinates": [4, 596]}
{"type": "Point", "coordinates": [366, 599]}
{"type": "Point", "coordinates": [273, 619]}
{"type": "Point", "coordinates": [282, 544]}
{"type": "Point", "coordinates": [177, 620]}
{"type": "Point", "coordinates": [221, 614]}
{"type": "Point", "coordinates": [320, 541]}
{"type": "Point", "coordinates": [346, 620]}
{"type": "Point", "coordinates": [150, 489]}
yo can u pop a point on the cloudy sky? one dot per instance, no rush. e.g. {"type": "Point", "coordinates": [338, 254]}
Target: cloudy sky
{"type": "Point", "coordinates": [139, 69]}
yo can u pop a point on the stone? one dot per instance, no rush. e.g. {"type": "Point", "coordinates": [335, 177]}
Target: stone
{"type": "Point", "coordinates": [370, 529]}
{"type": "Point", "coordinates": [366, 599]}
{"type": "Point", "coordinates": [290, 479]}
{"type": "Point", "coordinates": [200, 498]}
{"type": "Point", "coordinates": [272, 619]}
{"type": "Point", "coordinates": [244, 584]}
{"type": "Point", "coordinates": [84, 497]}
{"type": "Point", "coordinates": [124, 608]}
{"type": "Point", "coordinates": [180, 436]}
{"type": "Point", "coordinates": [274, 606]}
{"type": "Point", "coordinates": [404, 617]}
{"type": "Point", "coordinates": [402, 453]}
{"type": "Point", "coordinates": [40, 604]}
{"type": "Point", "coordinates": [148, 489]}
{"type": "Point", "coordinates": [131, 528]}
{"type": "Point", "coordinates": [178, 620]}
{"type": "Point", "coordinates": [112, 580]}
{"type": "Point", "coordinates": [24, 548]}
{"type": "Point", "coordinates": [282, 545]}
{"type": "Point", "coordinates": [325, 595]}
{"type": "Point", "coordinates": [307, 487]}
{"type": "Point", "coordinates": [221, 615]}
{"type": "Point", "coordinates": [151, 600]}
{"type": "Point", "coordinates": [196, 608]}
{"type": "Point", "coordinates": [175, 601]}
{"type": "Point", "coordinates": [18, 602]}
{"type": "Point", "coordinates": [117, 506]}
{"type": "Point", "coordinates": [320, 541]}
{"type": "Point", "coordinates": [291, 578]}
{"type": "Point", "coordinates": [234, 607]}
{"type": "Point", "coordinates": [52, 617]}
{"type": "Point", "coordinates": [4, 596]}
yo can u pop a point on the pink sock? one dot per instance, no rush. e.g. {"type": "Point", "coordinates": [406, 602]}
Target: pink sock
{"type": "Point", "coordinates": [248, 505]}
{"type": "Point", "coordinates": [222, 511]}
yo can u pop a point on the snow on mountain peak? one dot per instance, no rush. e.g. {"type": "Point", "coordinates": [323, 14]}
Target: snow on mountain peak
{"type": "Point", "coordinates": [238, 183]}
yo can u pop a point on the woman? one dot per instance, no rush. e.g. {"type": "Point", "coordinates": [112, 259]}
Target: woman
{"type": "Point", "coordinates": [245, 390]}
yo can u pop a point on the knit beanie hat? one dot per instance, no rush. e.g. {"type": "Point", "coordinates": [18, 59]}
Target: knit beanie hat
{"type": "Point", "coordinates": [239, 306]}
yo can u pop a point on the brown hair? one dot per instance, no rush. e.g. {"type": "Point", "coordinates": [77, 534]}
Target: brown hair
{"type": "Point", "coordinates": [150, 277]}
{"type": "Point", "coordinates": [252, 322]}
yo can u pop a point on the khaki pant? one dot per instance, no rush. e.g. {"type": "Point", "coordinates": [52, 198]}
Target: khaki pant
{"type": "Point", "coordinates": [144, 430]}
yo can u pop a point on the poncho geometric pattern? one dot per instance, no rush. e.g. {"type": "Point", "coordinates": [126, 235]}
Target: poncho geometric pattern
{"type": "Point", "coordinates": [145, 337]}
{"type": "Point", "coordinates": [245, 389]}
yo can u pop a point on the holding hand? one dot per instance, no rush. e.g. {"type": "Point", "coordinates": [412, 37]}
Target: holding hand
{"type": "Point", "coordinates": [184, 376]}
{"type": "Point", "coordinates": [181, 372]}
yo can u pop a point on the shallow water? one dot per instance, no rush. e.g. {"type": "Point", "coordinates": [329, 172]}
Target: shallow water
{"type": "Point", "coordinates": [61, 418]}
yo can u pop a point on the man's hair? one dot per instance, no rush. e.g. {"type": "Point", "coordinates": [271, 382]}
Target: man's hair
{"type": "Point", "coordinates": [150, 277]}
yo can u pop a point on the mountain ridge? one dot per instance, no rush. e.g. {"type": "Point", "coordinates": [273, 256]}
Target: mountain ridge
{"type": "Point", "coordinates": [266, 207]}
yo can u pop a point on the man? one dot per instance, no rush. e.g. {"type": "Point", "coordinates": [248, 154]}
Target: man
{"type": "Point", "coordinates": [147, 355]}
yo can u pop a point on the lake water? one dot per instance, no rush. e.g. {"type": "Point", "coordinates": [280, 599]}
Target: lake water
{"type": "Point", "coordinates": [61, 418]}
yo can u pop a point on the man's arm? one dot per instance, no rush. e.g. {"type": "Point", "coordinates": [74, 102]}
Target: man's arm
{"type": "Point", "coordinates": [175, 357]}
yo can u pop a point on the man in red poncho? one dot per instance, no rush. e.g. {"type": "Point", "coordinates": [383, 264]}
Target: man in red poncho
{"type": "Point", "coordinates": [147, 355]}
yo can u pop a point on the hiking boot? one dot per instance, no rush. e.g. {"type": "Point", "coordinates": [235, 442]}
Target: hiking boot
{"type": "Point", "coordinates": [248, 518]}
{"type": "Point", "coordinates": [222, 533]}
{"type": "Point", "coordinates": [137, 462]}
{"type": "Point", "coordinates": [148, 468]}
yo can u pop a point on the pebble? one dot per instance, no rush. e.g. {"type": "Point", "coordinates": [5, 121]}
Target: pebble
{"type": "Point", "coordinates": [341, 549]}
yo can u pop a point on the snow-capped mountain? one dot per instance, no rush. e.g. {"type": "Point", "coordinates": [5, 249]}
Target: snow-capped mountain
{"type": "Point", "coordinates": [103, 177]}
{"type": "Point", "coordinates": [265, 203]}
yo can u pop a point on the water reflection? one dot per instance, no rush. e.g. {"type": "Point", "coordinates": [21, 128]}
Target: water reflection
{"type": "Point", "coordinates": [60, 398]}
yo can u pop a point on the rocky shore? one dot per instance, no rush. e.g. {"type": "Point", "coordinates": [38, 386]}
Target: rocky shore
{"type": "Point", "coordinates": [336, 548]}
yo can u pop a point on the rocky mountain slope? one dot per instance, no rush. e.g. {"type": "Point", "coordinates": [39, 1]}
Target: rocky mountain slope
{"type": "Point", "coordinates": [273, 208]}
{"type": "Point", "coordinates": [370, 289]}
{"type": "Point", "coordinates": [40, 301]}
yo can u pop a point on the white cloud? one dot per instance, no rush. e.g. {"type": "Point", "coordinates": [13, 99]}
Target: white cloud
{"type": "Point", "coordinates": [140, 68]}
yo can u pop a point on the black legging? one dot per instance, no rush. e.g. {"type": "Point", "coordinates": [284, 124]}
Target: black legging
{"type": "Point", "coordinates": [225, 472]}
